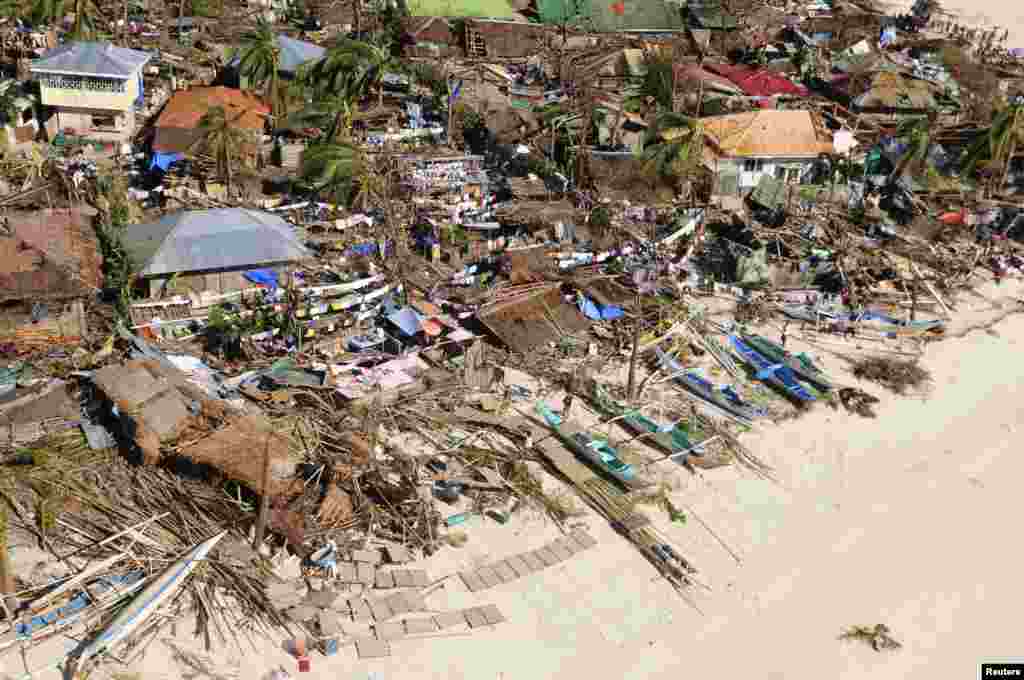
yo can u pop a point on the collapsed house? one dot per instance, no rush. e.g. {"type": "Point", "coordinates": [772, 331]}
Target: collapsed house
{"type": "Point", "coordinates": [50, 266]}
{"type": "Point", "coordinates": [178, 129]}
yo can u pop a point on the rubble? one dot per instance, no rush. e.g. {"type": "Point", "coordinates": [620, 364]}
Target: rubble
{"type": "Point", "coordinates": [372, 288]}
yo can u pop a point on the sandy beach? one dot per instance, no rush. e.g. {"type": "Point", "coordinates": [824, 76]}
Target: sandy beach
{"type": "Point", "coordinates": [905, 520]}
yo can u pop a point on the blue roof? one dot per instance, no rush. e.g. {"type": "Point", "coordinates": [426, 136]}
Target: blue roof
{"type": "Point", "coordinates": [294, 53]}
{"type": "Point", "coordinates": [91, 59]}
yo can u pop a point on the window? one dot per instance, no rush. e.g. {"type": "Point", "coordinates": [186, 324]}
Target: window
{"type": "Point", "coordinates": [104, 122]}
{"type": "Point", "coordinates": [780, 172]}
{"type": "Point", "coordinates": [63, 82]}
{"type": "Point", "coordinates": [753, 165]}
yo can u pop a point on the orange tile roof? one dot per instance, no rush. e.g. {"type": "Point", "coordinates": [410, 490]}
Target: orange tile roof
{"type": "Point", "coordinates": [768, 133]}
{"type": "Point", "coordinates": [187, 107]}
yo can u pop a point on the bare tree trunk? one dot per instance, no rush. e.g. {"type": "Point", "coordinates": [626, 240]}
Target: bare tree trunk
{"type": "Point", "coordinates": [261, 519]}
{"type": "Point", "coordinates": [631, 386]}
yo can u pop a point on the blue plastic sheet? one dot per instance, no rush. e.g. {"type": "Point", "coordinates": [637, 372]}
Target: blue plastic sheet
{"type": "Point", "coordinates": [407, 321]}
{"type": "Point", "coordinates": [592, 310]}
{"type": "Point", "coordinates": [164, 160]}
{"type": "Point", "coordinates": [362, 249]}
{"type": "Point", "coordinates": [263, 277]}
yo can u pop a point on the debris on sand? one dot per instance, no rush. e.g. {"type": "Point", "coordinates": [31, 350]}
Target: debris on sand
{"type": "Point", "coordinates": [877, 636]}
{"type": "Point", "coordinates": [896, 375]}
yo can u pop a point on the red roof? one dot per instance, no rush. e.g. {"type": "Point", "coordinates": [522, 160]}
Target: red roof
{"type": "Point", "coordinates": [187, 107]}
{"type": "Point", "coordinates": [758, 83]}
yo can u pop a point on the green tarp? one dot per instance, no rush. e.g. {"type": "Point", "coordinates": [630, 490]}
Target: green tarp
{"type": "Point", "coordinates": [770, 193]}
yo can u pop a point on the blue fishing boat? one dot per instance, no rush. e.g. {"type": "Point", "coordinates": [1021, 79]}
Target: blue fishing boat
{"type": "Point", "coordinates": [595, 451]}
{"type": "Point", "coordinates": [727, 403]}
{"type": "Point", "coordinates": [779, 376]}
{"type": "Point", "coordinates": [800, 364]}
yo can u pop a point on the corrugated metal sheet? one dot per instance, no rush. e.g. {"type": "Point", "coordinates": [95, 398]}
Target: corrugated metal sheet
{"type": "Point", "coordinates": [210, 240]}
{"type": "Point", "coordinates": [52, 253]}
{"type": "Point", "coordinates": [186, 108]}
{"type": "Point", "coordinates": [532, 320]}
{"type": "Point", "coordinates": [91, 59]}
{"type": "Point", "coordinates": [768, 134]}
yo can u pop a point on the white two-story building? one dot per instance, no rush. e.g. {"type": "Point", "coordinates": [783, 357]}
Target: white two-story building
{"type": "Point", "coordinates": [92, 88]}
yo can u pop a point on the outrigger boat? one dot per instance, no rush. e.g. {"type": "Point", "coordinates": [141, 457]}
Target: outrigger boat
{"type": "Point", "coordinates": [777, 375]}
{"type": "Point", "coordinates": [798, 363]}
{"type": "Point", "coordinates": [595, 451]}
{"type": "Point", "coordinates": [146, 603]}
{"type": "Point", "coordinates": [705, 391]}
{"type": "Point", "coordinates": [674, 441]}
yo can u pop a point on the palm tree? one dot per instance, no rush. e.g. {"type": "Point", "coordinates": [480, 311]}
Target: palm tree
{"type": "Point", "coordinates": [673, 146]}
{"type": "Point", "coordinates": [334, 115]}
{"type": "Point", "coordinates": [220, 139]}
{"type": "Point", "coordinates": [259, 61]}
{"type": "Point", "coordinates": [339, 72]}
{"type": "Point", "coordinates": [1000, 145]}
{"type": "Point", "coordinates": [353, 67]}
{"type": "Point", "coordinates": [86, 14]}
{"type": "Point", "coordinates": [13, 100]}
{"type": "Point", "coordinates": [918, 135]}
{"type": "Point", "coordinates": [333, 169]}
{"type": "Point", "coordinates": [46, 12]}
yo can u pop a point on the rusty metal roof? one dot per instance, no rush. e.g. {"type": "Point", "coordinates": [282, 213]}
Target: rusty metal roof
{"type": "Point", "coordinates": [531, 320]}
{"type": "Point", "coordinates": [768, 133]}
{"type": "Point", "coordinates": [186, 108]}
{"type": "Point", "coordinates": [50, 253]}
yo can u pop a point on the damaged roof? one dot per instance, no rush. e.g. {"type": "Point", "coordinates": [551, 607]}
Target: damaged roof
{"type": "Point", "coordinates": [891, 90]}
{"type": "Point", "coordinates": [218, 239]}
{"type": "Point", "coordinates": [294, 53]}
{"type": "Point", "coordinates": [176, 127]}
{"type": "Point", "coordinates": [49, 253]}
{"type": "Point", "coordinates": [768, 133]}
{"type": "Point", "coordinates": [532, 319]}
{"type": "Point", "coordinates": [758, 82]}
{"type": "Point", "coordinates": [91, 59]}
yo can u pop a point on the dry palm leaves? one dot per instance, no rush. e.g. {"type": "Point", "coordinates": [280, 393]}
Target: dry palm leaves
{"type": "Point", "coordinates": [896, 375]}
{"type": "Point", "coordinates": [877, 636]}
{"type": "Point", "coordinates": [858, 401]}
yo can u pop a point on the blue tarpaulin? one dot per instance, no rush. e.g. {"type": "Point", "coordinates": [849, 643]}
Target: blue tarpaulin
{"type": "Point", "coordinates": [263, 277]}
{"type": "Point", "coordinates": [407, 321]}
{"type": "Point", "coordinates": [592, 310]}
{"type": "Point", "coordinates": [362, 249]}
{"type": "Point", "coordinates": [164, 160]}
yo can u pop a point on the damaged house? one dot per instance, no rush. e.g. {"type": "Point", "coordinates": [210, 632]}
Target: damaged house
{"type": "Point", "coordinates": [178, 127]}
{"type": "Point", "coordinates": [215, 251]}
{"type": "Point", "coordinates": [49, 266]}
{"type": "Point", "coordinates": [783, 144]}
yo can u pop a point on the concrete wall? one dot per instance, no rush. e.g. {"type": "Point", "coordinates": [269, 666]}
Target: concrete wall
{"type": "Point", "coordinates": [749, 178]}
{"type": "Point", "coordinates": [81, 121]}
{"type": "Point", "coordinates": [214, 282]}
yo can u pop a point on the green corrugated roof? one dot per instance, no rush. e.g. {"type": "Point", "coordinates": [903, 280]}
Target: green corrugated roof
{"type": "Point", "coordinates": [614, 15]}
